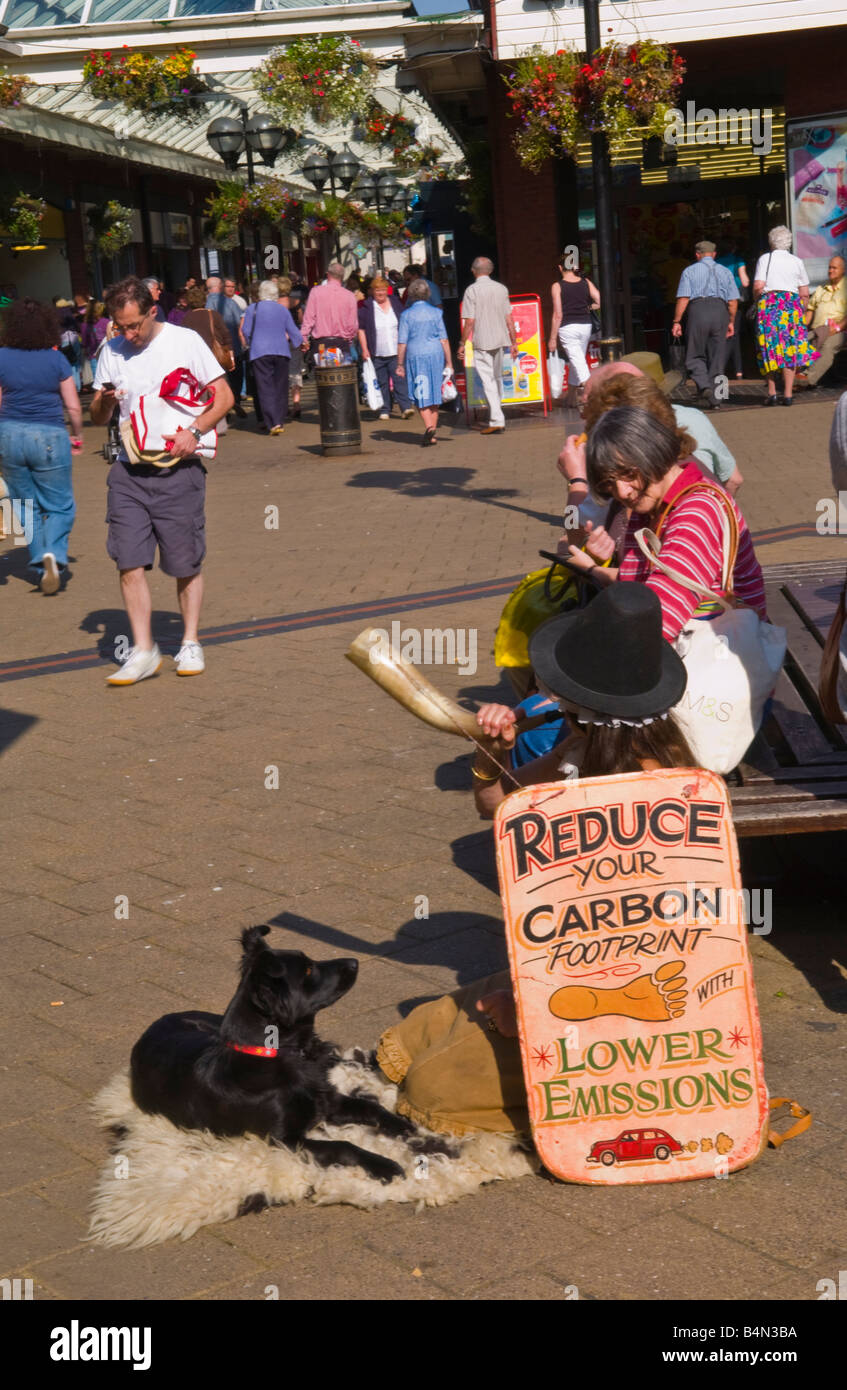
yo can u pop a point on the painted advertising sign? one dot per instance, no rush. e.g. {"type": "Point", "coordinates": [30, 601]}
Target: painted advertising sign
{"type": "Point", "coordinates": [817, 182]}
{"type": "Point", "coordinates": [637, 1015]}
{"type": "Point", "coordinates": [523, 374]}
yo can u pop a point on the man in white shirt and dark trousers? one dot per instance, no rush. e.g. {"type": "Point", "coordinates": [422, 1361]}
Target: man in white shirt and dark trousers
{"type": "Point", "coordinates": [488, 324]}
{"type": "Point", "coordinates": [709, 293]}
{"type": "Point", "coordinates": [151, 507]}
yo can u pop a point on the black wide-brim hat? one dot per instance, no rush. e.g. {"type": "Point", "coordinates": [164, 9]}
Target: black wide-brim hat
{"type": "Point", "coordinates": [611, 657]}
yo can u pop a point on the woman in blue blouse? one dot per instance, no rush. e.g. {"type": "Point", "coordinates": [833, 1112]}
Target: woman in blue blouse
{"type": "Point", "coordinates": [36, 387]}
{"type": "Point", "coordinates": [269, 333]}
{"type": "Point", "coordinates": [422, 354]}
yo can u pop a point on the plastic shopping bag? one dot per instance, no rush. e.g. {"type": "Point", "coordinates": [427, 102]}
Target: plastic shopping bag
{"type": "Point", "coordinates": [448, 386]}
{"type": "Point", "coordinates": [373, 394]}
{"type": "Point", "coordinates": [556, 374]}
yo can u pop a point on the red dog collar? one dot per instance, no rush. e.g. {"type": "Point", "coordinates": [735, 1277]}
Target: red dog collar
{"type": "Point", "coordinates": [253, 1051]}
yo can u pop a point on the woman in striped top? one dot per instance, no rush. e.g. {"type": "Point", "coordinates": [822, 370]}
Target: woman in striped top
{"type": "Point", "coordinates": [633, 457]}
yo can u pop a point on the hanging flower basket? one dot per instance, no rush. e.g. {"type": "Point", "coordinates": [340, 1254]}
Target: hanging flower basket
{"type": "Point", "coordinates": [12, 87]}
{"type": "Point", "coordinates": [424, 160]}
{"type": "Point", "coordinates": [111, 224]}
{"type": "Point", "coordinates": [144, 82]}
{"type": "Point", "coordinates": [396, 132]}
{"type": "Point", "coordinates": [224, 212]}
{"type": "Point", "coordinates": [559, 99]}
{"type": "Point", "coordinates": [22, 217]}
{"type": "Point", "coordinates": [328, 77]}
{"type": "Point", "coordinates": [270, 203]}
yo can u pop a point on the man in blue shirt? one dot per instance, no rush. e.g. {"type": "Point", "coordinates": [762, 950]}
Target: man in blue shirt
{"type": "Point", "coordinates": [229, 311]}
{"type": "Point", "coordinates": [709, 293]}
{"type": "Point", "coordinates": [416, 272]}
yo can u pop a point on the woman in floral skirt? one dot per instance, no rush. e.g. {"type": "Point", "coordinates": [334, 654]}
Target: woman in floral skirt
{"type": "Point", "coordinates": [781, 285]}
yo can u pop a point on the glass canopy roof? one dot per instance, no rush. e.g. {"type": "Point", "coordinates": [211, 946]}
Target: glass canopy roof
{"type": "Point", "coordinates": [36, 14]}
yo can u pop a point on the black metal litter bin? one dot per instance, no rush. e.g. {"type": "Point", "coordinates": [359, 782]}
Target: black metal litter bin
{"type": "Point", "coordinates": [338, 405]}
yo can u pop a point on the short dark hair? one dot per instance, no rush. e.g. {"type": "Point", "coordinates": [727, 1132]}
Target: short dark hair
{"type": "Point", "coordinates": [418, 289]}
{"type": "Point", "coordinates": [28, 324]}
{"type": "Point", "coordinates": [627, 442]}
{"type": "Point", "coordinates": [195, 298]}
{"type": "Point", "coordinates": [128, 291]}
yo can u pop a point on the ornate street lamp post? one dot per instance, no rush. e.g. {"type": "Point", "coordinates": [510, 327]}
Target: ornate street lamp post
{"type": "Point", "coordinates": [260, 135]}
{"type": "Point", "coordinates": [341, 166]}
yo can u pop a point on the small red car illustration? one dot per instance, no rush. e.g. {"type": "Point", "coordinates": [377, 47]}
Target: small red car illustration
{"type": "Point", "coordinates": [634, 1144]}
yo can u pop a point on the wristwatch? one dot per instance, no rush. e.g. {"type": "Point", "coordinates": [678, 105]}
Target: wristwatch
{"type": "Point", "coordinates": [198, 434]}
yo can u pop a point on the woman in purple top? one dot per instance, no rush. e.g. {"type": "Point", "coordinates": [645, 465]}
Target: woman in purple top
{"type": "Point", "coordinates": [36, 382]}
{"type": "Point", "coordinates": [180, 309]}
{"type": "Point", "coordinates": [269, 332]}
{"type": "Point", "coordinates": [93, 330]}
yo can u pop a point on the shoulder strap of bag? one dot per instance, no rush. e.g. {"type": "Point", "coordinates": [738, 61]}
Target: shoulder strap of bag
{"type": "Point", "coordinates": [650, 545]}
{"type": "Point", "coordinates": [831, 662]}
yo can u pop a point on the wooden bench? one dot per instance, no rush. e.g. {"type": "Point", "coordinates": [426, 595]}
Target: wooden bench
{"type": "Point", "coordinates": [795, 778]}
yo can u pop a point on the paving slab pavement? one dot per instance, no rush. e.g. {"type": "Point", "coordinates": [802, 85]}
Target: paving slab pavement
{"type": "Point", "coordinates": [142, 831]}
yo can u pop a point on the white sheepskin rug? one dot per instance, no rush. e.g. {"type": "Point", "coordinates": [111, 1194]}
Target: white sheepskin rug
{"type": "Point", "coordinates": [163, 1182]}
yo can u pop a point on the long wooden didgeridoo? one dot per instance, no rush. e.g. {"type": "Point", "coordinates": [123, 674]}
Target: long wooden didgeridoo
{"type": "Point", "coordinates": [404, 683]}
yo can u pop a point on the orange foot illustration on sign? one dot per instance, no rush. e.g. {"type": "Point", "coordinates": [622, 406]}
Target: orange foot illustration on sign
{"type": "Point", "coordinates": [653, 998]}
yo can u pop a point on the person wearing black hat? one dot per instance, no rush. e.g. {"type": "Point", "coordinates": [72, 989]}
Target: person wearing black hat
{"type": "Point", "coordinates": [616, 680]}
{"type": "Point", "coordinates": [456, 1060]}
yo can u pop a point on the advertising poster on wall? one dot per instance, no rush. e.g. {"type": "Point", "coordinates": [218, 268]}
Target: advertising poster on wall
{"type": "Point", "coordinates": [817, 164]}
{"type": "Point", "coordinates": [637, 1015]}
{"type": "Point", "coordinates": [523, 373]}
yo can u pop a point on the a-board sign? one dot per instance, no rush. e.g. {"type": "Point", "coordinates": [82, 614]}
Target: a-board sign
{"type": "Point", "coordinates": [524, 381]}
{"type": "Point", "coordinates": [637, 1015]}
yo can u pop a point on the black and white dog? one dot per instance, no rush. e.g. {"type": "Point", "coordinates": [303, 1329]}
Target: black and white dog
{"type": "Point", "coordinates": [261, 1069]}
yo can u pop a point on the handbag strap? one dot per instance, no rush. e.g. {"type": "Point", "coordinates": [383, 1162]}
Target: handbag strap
{"type": "Point", "coordinates": [649, 543]}
{"type": "Point", "coordinates": [797, 1112]}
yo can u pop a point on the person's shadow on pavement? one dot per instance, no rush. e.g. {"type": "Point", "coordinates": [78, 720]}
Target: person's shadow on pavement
{"type": "Point", "coordinates": [447, 482]}
{"type": "Point", "coordinates": [437, 940]}
{"type": "Point", "coordinates": [112, 625]}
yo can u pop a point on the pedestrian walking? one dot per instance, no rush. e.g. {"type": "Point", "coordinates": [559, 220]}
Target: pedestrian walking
{"type": "Point", "coordinates": [781, 288]}
{"type": "Point", "coordinates": [36, 381]}
{"type": "Point", "coordinates": [154, 286]}
{"type": "Point", "coordinates": [269, 332]}
{"type": "Point", "coordinates": [150, 506]}
{"type": "Point", "coordinates": [730, 257]}
{"type": "Point", "coordinates": [331, 316]}
{"type": "Point", "coordinates": [215, 334]}
{"type": "Point", "coordinates": [231, 292]}
{"type": "Point", "coordinates": [221, 303]}
{"type": "Point", "coordinates": [291, 301]}
{"type": "Point", "coordinates": [710, 295]}
{"type": "Point", "coordinates": [93, 331]}
{"type": "Point", "coordinates": [489, 326]}
{"type": "Point", "coordinates": [574, 297]}
{"type": "Point", "coordinates": [180, 309]}
{"type": "Point", "coordinates": [379, 321]}
{"type": "Point", "coordinates": [423, 353]}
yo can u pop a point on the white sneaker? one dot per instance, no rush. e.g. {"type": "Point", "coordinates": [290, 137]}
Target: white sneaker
{"type": "Point", "coordinates": [49, 582]}
{"type": "Point", "coordinates": [137, 667]}
{"type": "Point", "coordinates": [189, 659]}
{"type": "Point", "coordinates": [385, 415]}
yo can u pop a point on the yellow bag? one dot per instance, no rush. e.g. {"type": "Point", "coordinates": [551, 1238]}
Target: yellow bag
{"type": "Point", "coordinates": [527, 607]}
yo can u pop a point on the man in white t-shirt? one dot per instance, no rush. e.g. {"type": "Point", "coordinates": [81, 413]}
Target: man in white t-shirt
{"type": "Point", "coordinates": [151, 506]}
